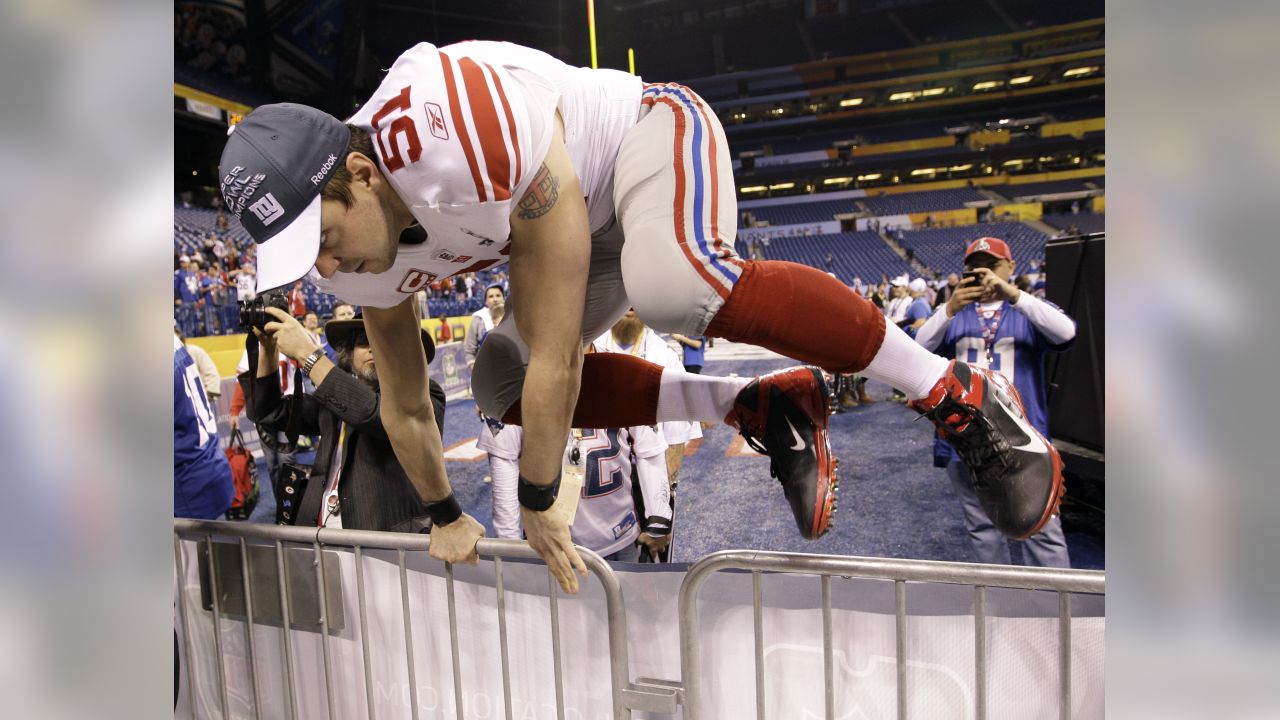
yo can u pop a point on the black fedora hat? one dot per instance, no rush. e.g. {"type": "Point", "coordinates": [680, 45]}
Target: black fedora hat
{"type": "Point", "coordinates": [340, 332]}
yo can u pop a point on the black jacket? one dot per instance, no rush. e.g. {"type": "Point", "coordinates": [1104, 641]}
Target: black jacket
{"type": "Point", "coordinates": [374, 492]}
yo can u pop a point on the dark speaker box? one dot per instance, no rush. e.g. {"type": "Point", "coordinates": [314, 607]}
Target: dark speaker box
{"type": "Point", "coordinates": [1074, 268]}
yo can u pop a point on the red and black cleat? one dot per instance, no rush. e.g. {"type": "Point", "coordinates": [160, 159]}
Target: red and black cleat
{"type": "Point", "coordinates": [1017, 473]}
{"type": "Point", "coordinates": [784, 415]}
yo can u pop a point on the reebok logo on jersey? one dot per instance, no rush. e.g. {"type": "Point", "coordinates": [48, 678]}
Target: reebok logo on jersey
{"type": "Point", "coordinates": [446, 255]}
{"type": "Point", "coordinates": [436, 117]}
{"type": "Point", "coordinates": [268, 209]}
{"type": "Point", "coordinates": [415, 280]}
{"type": "Point", "coordinates": [328, 163]}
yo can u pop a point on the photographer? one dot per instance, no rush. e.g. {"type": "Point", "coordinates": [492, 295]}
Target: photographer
{"type": "Point", "coordinates": [356, 481]}
{"type": "Point", "coordinates": [990, 322]}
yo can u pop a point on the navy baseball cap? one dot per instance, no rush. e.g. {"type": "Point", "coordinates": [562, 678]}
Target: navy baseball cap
{"type": "Point", "coordinates": [273, 167]}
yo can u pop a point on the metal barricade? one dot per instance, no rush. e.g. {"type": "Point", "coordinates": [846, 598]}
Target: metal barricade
{"type": "Point", "coordinates": [901, 572]}
{"type": "Point", "coordinates": [624, 694]}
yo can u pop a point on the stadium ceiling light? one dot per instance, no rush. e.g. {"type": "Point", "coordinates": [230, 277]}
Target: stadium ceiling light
{"type": "Point", "coordinates": [907, 95]}
{"type": "Point", "coordinates": [1022, 79]}
{"type": "Point", "coordinates": [988, 85]}
{"type": "Point", "coordinates": [958, 168]}
{"type": "Point", "coordinates": [782, 186]}
{"type": "Point", "coordinates": [1014, 162]}
{"type": "Point", "coordinates": [777, 111]}
{"type": "Point", "coordinates": [1076, 72]}
{"type": "Point", "coordinates": [872, 176]}
{"type": "Point", "coordinates": [850, 102]}
{"type": "Point", "coordinates": [753, 188]}
{"type": "Point", "coordinates": [837, 181]}
{"type": "Point", "coordinates": [934, 91]}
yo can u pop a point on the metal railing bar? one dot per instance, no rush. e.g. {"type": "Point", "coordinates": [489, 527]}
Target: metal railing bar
{"type": "Point", "coordinates": [282, 563]}
{"type": "Point", "coordinates": [408, 637]}
{"type": "Point", "coordinates": [757, 602]}
{"type": "Point", "coordinates": [453, 642]}
{"type": "Point", "coordinates": [828, 656]}
{"type": "Point", "coordinates": [502, 636]}
{"type": "Point", "coordinates": [322, 587]}
{"type": "Point", "coordinates": [553, 594]}
{"type": "Point", "coordinates": [217, 624]}
{"type": "Point", "coordinates": [248, 628]}
{"type": "Point", "coordinates": [364, 631]}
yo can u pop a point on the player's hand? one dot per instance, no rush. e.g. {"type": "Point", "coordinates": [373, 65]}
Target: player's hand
{"type": "Point", "coordinates": [965, 294]}
{"type": "Point", "coordinates": [654, 544]}
{"type": "Point", "coordinates": [456, 542]}
{"type": "Point", "coordinates": [548, 534]}
{"type": "Point", "coordinates": [290, 336]}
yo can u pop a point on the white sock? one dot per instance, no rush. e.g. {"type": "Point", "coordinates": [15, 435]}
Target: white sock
{"type": "Point", "coordinates": [904, 364]}
{"type": "Point", "coordinates": [705, 398]}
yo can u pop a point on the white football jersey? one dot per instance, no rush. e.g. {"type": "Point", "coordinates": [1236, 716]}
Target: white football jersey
{"type": "Point", "coordinates": [460, 133]}
{"type": "Point", "coordinates": [607, 520]}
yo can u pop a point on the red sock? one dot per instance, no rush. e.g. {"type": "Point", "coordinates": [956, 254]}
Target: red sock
{"type": "Point", "coordinates": [802, 313]}
{"type": "Point", "coordinates": [617, 391]}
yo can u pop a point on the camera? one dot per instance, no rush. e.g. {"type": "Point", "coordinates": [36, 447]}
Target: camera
{"type": "Point", "coordinates": [971, 277]}
{"type": "Point", "coordinates": [253, 313]}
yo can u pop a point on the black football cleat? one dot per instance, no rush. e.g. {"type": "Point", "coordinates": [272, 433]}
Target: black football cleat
{"type": "Point", "coordinates": [1017, 473]}
{"type": "Point", "coordinates": [784, 415]}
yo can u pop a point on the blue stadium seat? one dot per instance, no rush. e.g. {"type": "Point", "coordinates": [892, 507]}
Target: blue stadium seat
{"type": "Point", "coordinates": [1085, 222]}
{"type": "Point", "coordinates": [855, 254]}
{"type": "Point", "coordinates": [916, 202]}
{"type": "Point", "coordinates": [943, 248]}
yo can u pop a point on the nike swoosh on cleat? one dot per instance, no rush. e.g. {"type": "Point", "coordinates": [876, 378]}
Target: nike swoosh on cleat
{"type": "Point", "coordinates": [799, 446]}
{"type": "Point", "coordinates": [1034, 443]}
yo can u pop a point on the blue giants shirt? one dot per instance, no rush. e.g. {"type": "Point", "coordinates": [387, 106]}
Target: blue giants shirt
{"type": "Point", "coordinates": [202, 485]}
{"type": "Point", "coordinates": [695, 356]}
{"type": "Point", "coordinates": [1018, 353]}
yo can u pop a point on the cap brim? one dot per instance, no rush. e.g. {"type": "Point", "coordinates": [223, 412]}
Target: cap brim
{"type": "Point", "coordinates": [291, 253]}
{"type": "Point", "coordinates": [339, 332]}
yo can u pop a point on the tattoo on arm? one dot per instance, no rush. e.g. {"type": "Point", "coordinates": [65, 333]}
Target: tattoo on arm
{"type": "Point", "coordinates": [542, 195]}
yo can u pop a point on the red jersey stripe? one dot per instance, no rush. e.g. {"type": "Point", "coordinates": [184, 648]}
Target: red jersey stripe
{"type": "Point", "coordinates": [493, 143]}
{"type": "Point", "coordinates": [511, 125]}
{"type": "Point", "coordinates": [460, 125]}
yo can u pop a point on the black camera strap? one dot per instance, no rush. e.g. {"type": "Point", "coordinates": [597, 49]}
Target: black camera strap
{"type": "Point", "coordinates": [265, 436]}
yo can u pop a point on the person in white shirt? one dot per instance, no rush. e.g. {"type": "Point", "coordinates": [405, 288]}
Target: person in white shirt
{"type": "Point", "coordinates": [483, 321]}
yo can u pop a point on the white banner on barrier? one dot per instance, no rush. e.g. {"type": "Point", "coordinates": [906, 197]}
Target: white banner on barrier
{"type": "Point", "coordinates": [1022, 647]}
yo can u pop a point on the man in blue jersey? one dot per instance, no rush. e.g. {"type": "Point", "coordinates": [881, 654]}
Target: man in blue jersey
{"type": "Point", "coordinates": [202, 484]}
{"type": "Point", "coordinates": [993, 324]}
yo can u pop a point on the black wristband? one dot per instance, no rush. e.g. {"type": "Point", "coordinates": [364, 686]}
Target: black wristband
{"type": "Point", "coordinates": [444, 511]}
{"type": "Point", "coordinates": [537, 497]}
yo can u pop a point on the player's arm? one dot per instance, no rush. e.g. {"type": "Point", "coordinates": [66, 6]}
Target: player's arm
{"type": "Point", "coordinates": [409, 420]}
{"type": "Point", "coordinates": [550, 259]}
